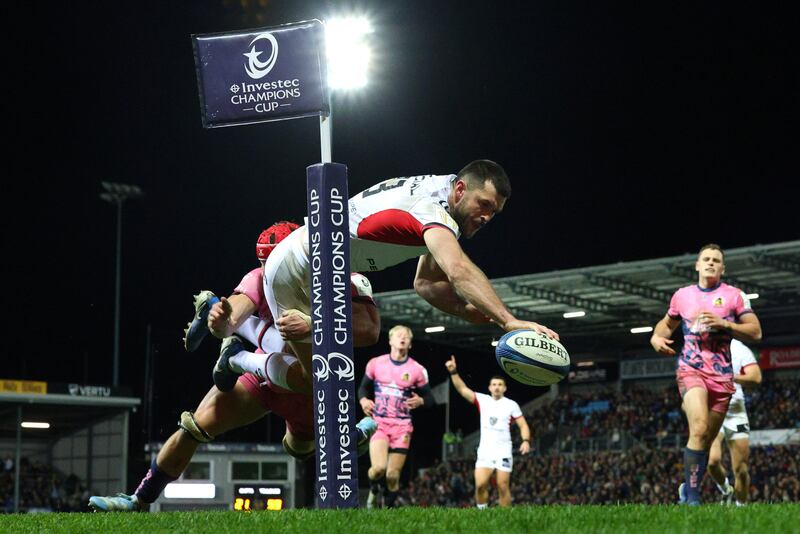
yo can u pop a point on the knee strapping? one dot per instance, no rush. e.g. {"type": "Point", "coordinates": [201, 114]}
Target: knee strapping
{"type": "Point", "coordinates": [188, 424]}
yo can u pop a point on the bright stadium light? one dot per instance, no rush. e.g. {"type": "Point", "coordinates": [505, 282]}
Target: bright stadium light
{"type": "Point", "coordinates": [348, 53]}
{"type": "Point", "coordinates": [494, 343]}
{"type": "Point", "coordinates": [752, 296]}
{"type": "Point", "coordinates": [571, 315]}
{"type": "Point", "coordinates": [432, 329]}
{"type": "Point", "coordinates": [177, 490]}
{"type": "Point", "coordinates": [641, 329]}
{"type": "Point", "coordinates": [32, 424]}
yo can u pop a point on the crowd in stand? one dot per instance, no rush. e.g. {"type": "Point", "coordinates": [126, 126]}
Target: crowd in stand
{"type": "Point", "coordinates": [41, 489]}
{"type": "Point", "coordinates": [636, 476]}
{"type": "Point", "coordinates": [655, 412]}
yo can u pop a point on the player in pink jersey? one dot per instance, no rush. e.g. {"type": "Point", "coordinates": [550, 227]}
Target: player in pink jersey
{"type": "Point", "coordinates": [710, 313]}
{"type": "Point", "coordinates": [497, 412]}
{"type": "Point", "coordinates": [405, 218]}
{"type": "Point", "coordinates": [399, 384]}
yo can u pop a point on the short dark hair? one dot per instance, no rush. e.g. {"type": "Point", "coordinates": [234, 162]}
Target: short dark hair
{"type": "Point", "coordinates": [712, 246]}
{"type": "Point", "coordinates": [478, 172]}
{"type": "Point", "coordinates": [498, 377]}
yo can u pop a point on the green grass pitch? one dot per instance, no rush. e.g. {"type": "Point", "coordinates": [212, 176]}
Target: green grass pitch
{"type": "Point", "coordinates": [640, 519]}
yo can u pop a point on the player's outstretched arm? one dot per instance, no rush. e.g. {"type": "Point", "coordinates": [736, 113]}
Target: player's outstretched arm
{"type": "Point", "coordinates": [470, 282]}
{"type": "Point", "coordinates": [229, 314]}
{"type": "Point", "coordinates": [458, 383]}
{"type": "Point", "coordinates": [366, 324]}
{"type": "Point", "coordinates": [432, 285]}
{"type": "Point", "coordinates": [660, 340]}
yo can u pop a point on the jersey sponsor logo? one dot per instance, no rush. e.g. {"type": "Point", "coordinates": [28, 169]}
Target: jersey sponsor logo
{"type": "Point", "coordinates": [387, 185]}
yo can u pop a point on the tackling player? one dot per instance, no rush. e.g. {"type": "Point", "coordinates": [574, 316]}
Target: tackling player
{"type": "Point", "coordinates": [399, 384]}
{"type": "Point", "coordinates": [497, 412]}
{"type": "Point", "coordinates": [250, 397]}
{"type": "Point", "coordinates": [736, 429]}
{"type": "Point", "coordinates": [710, 313]}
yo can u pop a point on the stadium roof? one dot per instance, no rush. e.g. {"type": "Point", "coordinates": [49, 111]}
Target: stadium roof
{"type": "Point", "coordinates": [615, 298]}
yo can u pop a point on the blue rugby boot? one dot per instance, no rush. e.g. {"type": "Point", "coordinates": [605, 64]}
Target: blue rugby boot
{"type": "Point", "coordinates": [197, 330]}
{"type": "Point", "coordinates": [120, 503]}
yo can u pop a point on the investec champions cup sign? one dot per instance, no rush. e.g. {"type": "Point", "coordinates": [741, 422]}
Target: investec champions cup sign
{"type": "Point", "coordinates": [262, 74]}
{"type": "Point", "coordinates": [332, 336]}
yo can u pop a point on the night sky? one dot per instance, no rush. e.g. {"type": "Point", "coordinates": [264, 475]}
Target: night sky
{"type": "Point", "coordinates": [628, 131]}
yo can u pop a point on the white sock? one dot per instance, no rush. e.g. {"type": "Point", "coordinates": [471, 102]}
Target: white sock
{"type": "Point", "coordinates": [274, 366]}
{"type": "Point", "coordinates": [249, 362]}
{"type": "Point", "coordinates": [278, 366]}
{"type": "Point", "coordinates": [482, 506]}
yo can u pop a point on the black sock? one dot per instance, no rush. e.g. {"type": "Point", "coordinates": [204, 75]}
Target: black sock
{"type": "Point", "coordinates": [376, 486]}
{"type": "Point", "coordinates": [390, 498]}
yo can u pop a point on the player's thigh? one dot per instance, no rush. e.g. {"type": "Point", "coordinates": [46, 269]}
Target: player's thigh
{"type": "Point", "coordinates": [482, 476]}
{"type": "Point", "coordinates": [715, 420]}
{"type": "Point", "coordinates": [740, 451]}
{"type": "Point", "coordinates": [503, 479]}
{"type": "Point", "coordinates": [222, 411]}
{"type": "Point", "coordinates": [396, 461]}
{"type": "Point", "coordinates": [378, 453]}
{"type": "Point", "coordinates": [695, 404]}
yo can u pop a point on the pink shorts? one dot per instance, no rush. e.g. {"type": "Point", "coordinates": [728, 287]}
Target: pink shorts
{"type": "Point", "coordinates": [396, 432]}
{"type": "Point", "coordinates": [295, 408]}
{"type": "Point", "coordinates": [719, 393]}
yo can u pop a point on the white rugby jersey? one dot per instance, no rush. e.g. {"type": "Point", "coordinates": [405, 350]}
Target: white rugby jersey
{"type": "Point", "coordinates": [388, 219]}
{"type": "Point", "coordinates": [496, 418]}
{"type": "Point", "coordinates": [741, 357]}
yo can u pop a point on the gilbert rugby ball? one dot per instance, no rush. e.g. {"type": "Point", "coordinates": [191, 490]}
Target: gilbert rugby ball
{"type": "Point", "coordinates": [532, 358]}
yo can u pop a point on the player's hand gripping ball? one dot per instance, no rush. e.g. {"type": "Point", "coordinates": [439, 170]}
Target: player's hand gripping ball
{"type": "Point", "coordinates": [532, 358]}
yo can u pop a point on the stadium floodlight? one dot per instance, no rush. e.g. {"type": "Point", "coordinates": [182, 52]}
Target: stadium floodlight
{"type": "Point", "coordinates": [752, 296]}
{"type": "Point", "coordinates": [32, 424]}
{"type": "Point", "coordinates": [115, 193]}
{"type": "Point", "coordinates": [177, 490]}
{"type": "Point", "coordinates": [641, 329]}
{"type": "Point", "coordinates": [494, 342]}
{"type": "Point", "coordinates": [432, 329]}
{"type": "Point", "coordinates": [571, 315]}
{"type": "Point", "coordinates": [348, 53]}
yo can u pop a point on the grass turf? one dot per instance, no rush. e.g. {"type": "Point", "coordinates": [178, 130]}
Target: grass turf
{"type": "Point", "coordinates": [762, 518]}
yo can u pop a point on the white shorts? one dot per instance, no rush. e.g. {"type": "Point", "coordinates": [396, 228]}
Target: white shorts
{"type": "Point", "coordinates": [286, 285]}
{"type": "Point", "coordinates": [271, 340]}
{"type": "Point", "coordinates": [736, 424]}
{"type": "Point", "coordinates": [494, 462]}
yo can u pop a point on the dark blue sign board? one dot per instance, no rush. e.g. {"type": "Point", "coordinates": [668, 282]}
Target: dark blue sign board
{"type": "Point", "coordinates": [332, 337]}
{"type": "Point", "coordinates": [262, 75]}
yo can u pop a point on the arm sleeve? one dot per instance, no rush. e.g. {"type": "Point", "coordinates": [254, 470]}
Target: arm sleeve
{"type": "Point", "coordinates": [366, 388]}
{"type": "Point", "coordinates": [427, 395]}
{"type": "Point", "coordinates": [673, 310]}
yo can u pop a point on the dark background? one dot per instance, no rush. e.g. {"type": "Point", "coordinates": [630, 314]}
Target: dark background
{"type": "Point", "coordinates": [629, 131]}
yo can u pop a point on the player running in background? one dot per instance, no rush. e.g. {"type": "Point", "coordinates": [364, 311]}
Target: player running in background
{"type": "Point", "coordinates": [710, 313]}
{"type": "Point", "coordinates": [497, 412]}
{"type": "Point", "coordinates": [404, 218]}
{"type": "Point", "coordinates": [399, 384]}
{"type": "Point", "coordinates": [736, 429]}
